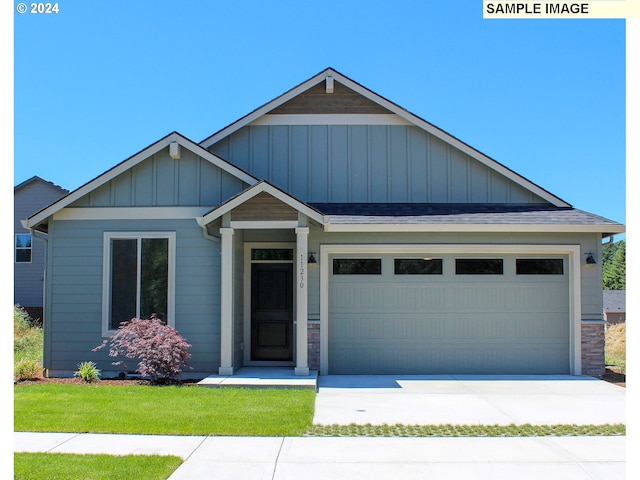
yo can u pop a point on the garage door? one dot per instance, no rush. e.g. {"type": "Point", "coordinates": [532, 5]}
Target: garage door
{"type": "Point", "coordinates": [391, 314]}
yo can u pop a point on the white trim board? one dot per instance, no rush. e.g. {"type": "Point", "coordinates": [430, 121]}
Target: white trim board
{"type": "Point", "coordinates": [330, 119]}
{"type": "Point", "coordinates": [130, 213]}
{"type": "Point", "coordinates": [575, 297]}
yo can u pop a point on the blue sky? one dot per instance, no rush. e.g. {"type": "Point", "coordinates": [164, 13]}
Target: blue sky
{"type": "Point", "coordinates": [100, 81]}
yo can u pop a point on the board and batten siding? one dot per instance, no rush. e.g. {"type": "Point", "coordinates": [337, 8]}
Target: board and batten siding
{"type": "Point", "coordinates": [75, 303]}
{"type": "Point", "coordinates": [366, 163]}
{"type": "Point", "coordinates": [162, 181]}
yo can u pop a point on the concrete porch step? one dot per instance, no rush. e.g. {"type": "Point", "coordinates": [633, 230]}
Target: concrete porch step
{"type": "Point", "coordinates": [271, 377]}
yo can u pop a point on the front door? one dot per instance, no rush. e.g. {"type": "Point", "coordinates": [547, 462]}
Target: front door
{"type": "Point", "coordinates": [272, 311]}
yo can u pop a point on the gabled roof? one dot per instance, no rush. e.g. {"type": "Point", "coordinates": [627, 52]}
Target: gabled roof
{"type": "Point", "coordinates": [250, 193]}
{"type": "Point", "coordinates": [614, 301]}
{"type": "Point", "coordinates": [394, 108]}
{"type": "Point", "coordinates": [453, 217]}
{"type": "Point", "coordinates": [130, 162]}
{"type": "Point", "coordinates": [35, 179]}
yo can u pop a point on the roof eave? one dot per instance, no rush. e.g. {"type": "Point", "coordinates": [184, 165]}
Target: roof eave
{"type": "Point", "coordinates": [42, 216]}
{"type": "Point", "coordinates": [605, 230]}
{"type": "Point", "coordinates": [396, 109]}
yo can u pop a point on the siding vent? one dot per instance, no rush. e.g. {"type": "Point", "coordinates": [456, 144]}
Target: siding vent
{"type": "Point", "coordinates": [329, 84]}
{"type": "Point", "coordinates": [174, 150]}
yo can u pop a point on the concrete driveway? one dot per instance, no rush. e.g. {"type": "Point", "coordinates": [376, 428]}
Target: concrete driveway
{"type": "Point", "coordinates": [467, 400]}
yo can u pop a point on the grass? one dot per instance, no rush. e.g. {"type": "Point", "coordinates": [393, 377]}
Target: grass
{"type": "Point", "coordinates": [225, 411]}
{"type": "Point", "coordinates": [62, 466]}
{"type": "Point", "coordinates": [169, 410]}
{"type": "Point", "coordinates": [512, 430]}
{"type": "Point", "coordinates": [615, 350]}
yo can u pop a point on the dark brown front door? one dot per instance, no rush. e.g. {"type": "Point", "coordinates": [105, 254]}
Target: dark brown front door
{"type": "Point", "coordinates": [272, 311]}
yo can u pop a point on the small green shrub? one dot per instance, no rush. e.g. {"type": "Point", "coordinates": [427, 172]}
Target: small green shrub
{"type": "Point", "coordinates": [27, 370]}
{"type": "Point", "coordinates": [88, 372]}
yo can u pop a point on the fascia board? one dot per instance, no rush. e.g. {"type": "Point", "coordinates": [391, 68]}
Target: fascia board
{"type": "Point", "coordinates": [477, 228]}
{"type": "Point", "coordinates": [130, 163]}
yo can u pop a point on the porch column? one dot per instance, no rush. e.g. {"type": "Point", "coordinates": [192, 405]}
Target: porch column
{"type": "Point", "coordinates": [302, 365]}
{"type": "Point", "coordinates": [226, 302]}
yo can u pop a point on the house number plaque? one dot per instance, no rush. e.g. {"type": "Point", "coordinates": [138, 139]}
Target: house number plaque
{"type": "Point", "coordinates": [301, 272]}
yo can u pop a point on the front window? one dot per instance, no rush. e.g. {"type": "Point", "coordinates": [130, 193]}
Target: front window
{"type": "Point", "coordinates": [139, 277]}
{"type": "Point", "coordinates": [23, 248]}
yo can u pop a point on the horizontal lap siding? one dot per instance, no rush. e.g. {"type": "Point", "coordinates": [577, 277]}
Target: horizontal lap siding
{"type": "Point", "coordinates": [29, 277]}
{"type": "Point", "coordinates": [75, 315]}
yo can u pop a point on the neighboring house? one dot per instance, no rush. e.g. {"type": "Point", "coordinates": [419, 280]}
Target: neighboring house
{"type": "Point", "coordinates": [614, 306]}
{"type": "Point", "coordinates": [328, 229]}
{"type": "Point", "coordinates": [30, 197]}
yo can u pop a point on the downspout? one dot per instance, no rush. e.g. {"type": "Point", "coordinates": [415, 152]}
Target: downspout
{"type": "Point", "coordinates": [45, 324]}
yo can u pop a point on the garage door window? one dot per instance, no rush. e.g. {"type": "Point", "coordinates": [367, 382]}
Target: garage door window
{"type": "Point", "coordinates": [357, 266]}
{"type": "Point", "coordinates": [479, 266]}
{"type": "Point", "coordinates": [417, 266]}
{"type": "Point", "coordinates": [539, 266]}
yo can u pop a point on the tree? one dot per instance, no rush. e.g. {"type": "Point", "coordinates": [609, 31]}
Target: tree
{"type": "Point", "coordinates": [614, 266]}
{"type": "Point", "coordinates": [160, 350]}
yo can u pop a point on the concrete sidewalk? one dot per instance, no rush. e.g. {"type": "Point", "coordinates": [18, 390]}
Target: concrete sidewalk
{"type": "Point", "coordinates": [280, 458]}
{"type": "Point", "coordinates": [468, 400]}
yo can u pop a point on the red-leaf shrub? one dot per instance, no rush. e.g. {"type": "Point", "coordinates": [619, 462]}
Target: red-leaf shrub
{"type": "Point", "coordinates": [160, 350]}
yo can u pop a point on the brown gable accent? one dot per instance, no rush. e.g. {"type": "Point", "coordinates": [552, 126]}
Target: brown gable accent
{"type": "Point", "coordinates": [316, 101]}
{"type": "Point", "coordinates": [264, 207]}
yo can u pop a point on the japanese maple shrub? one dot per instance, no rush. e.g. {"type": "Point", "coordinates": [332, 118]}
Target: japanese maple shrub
{"type": "Point", "coordinates": [160, 350]}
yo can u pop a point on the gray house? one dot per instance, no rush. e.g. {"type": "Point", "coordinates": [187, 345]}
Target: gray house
{"type": "Point", "coordinates": [328, 229]}
{"type": "Point", "coordinates": [614, 306]}
{"type": "Point", "coordinates": [29, 197]}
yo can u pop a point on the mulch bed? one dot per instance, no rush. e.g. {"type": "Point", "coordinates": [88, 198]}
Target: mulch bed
{"type": "Point", "coordinates": [611, 375]}
{"type": "Point", "coordinates": [105, 381]}
{"type": "Point", "coordinates": [614, 375]}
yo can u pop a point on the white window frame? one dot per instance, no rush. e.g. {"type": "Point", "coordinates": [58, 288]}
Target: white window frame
{"type": "Point", "coordinates": [106, 274]}
{"type": "Point", "coordinates": [16, 248]}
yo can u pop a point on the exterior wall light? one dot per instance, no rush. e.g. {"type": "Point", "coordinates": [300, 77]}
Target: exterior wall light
{"type": "Point", "coordinates": [590, 260]}
{"type": "Point", "coordinates": [312, 258]}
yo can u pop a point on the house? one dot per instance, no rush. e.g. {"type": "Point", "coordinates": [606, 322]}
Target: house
{"type": "Point", "coordinates": [328, 229]}
{"type": "Point", "coordinates": [29, 197]}
{"type": "Point", "coordinates": [614, 306]}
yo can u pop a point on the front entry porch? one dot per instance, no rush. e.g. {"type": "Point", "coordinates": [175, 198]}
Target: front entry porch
{"type": "Point", "coordinates": [263, 377]}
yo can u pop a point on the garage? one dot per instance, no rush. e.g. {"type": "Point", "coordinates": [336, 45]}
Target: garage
{"type": "Point", "coordinates": [448, 313]}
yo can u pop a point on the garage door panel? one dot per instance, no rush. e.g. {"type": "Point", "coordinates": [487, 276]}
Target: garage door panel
{"type": "Point", "coordinates": [450, 358]}
{"type": "Point", "coordinates": [460, 327]}
{"type": "Point", "coordinates": [442, 298]}
{"type": "Point", "coordinates": [448, 323]}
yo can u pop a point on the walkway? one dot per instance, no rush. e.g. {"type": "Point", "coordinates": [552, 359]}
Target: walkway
{"type": "Point", "coordinates": [319, 458]}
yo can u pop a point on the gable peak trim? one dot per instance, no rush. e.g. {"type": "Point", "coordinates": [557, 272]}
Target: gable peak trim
{"type": "Point", "coordinates": [394, 109]}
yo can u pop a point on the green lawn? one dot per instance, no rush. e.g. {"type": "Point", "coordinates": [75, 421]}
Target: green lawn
{"type": "Point", "coordinates": [63, 466]}
{"type": "Point", "coordinates": [170, 410]}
